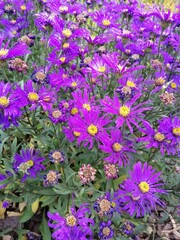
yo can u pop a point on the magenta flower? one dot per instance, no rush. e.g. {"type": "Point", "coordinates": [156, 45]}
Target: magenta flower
{"type": "Point", "coordinates": [157, 138]}
{"type": "Point", "coordinates": [98, 66]}
{"type": "Point", "coordinates": [19, 49]}
{"type": "Point", "coordinates": [126, 113]}
{"type": "Point", "coordinates": [43, 96]}
{"type": "Point", "coordinates": [74, 220]}
{"type": "Point", "coordinates": [105, 19]}
{"type": "Point", "coordinates": [171, 128]}
{"type": "Point", "coordinates": [119, 150]}
{"type": "Point", "coordinates": [28, 163]}
{"type": "Point", "coordinates": [90, 126]}
{"type": "Point", "coordinates": [138, 194]}
{"type": "Point", "coordinates": [82, 100]}
{"type": "Point", "coordinates": [10, 102]}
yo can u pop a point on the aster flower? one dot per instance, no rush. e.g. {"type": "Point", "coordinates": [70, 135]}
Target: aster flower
{"type": "Point", "coordinates": [91, 127]}
{"type": "Point", "coordinates": [119, 67]}
{"type": "Point", "coordinates": [51, 178]}
{"type": "Point", "coordinates": [127, 228]}
{"type": "Point", "coordinates": [156, 138]}
{"type": "Point", "coordinates": [105, 230]}
{"type": "Point", "coordinates": [171, 128]}
{"type": "Point", "coordinates": [42, 97]}
{"type": "Point", "coordinates": [57, 116]}
{"type": "Point", "coordinates": [82, 100]}
{"type": "Point", "coordinates": [19, 49]}
{"type": "Point", "coordinates": [115, 146]}
{"type": "Point", "coordinates": [3, 177]}
{"type": "Point", "coordinates": [57, 156]}
{"type": "Point", "coordinates": [28, 163]}
{"type": "Point", "coordinates": [87, 173]}
{"type": "Point", "coordinates": [10, 103]}
{"type": "Point", "coordinates": [74, 220]}
{"type": "Point", "coordinates": [126, 113]}
{"type": "Point", "coordinates": [5, 204]}
{"type": "Point", "coordinates": [105, 19]}
{"type": "Point", "coordinates": [105, 205]}
{"type": "Point", "coordinates": [138, 193]}
{"type": "Point", "coordinates": [40, 77]}
{"type": "Point", "coordinates": [98, 66]}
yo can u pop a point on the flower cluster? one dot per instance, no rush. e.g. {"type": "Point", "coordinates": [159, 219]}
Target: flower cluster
{"type": "Point", "coordinates": [89, 114]}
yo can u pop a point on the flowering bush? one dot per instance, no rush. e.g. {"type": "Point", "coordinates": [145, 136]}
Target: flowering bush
{"type": "Point", "coordinates": [90, 119]}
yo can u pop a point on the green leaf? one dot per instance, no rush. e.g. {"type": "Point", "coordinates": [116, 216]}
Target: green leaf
{"type": "Point", "coordinates": [44, 229]}
{"type": "Point", "coordinates": [62, 189]}
{"type": "Point", "coordinates": [26, 215]}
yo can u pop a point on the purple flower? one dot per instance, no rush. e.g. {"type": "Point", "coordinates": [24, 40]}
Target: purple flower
{"type": "Point", "coordinates": [28, 163]}
{"type": "Point", "coordinates": [127, 228]}
{"type": "Point", "coordinates": [82, 100]}
{"type": "Point", "coordinates": [91, 127]}
{"type": "Point", "coordinates": [118, 149]}
{"type": "Point", "coordinates": [156, 138]}
{"type": "Point", "coordinates": [10, 103]}
{"type": "Point", "coordinates": [105, 19]}
{"type": "Point", "coordinates": [126, 113]}
{"type": "Point", "coordinates": [106, 205]}
{"type": "Point", "coordinates": [57, 156]}
{"type": "Point", "coordinates": [98, 66]}
{"type": "Point", "coordinates": [105, 230]}
{"type": "Point", "coordinates": [74, 220]}
{"type": "Point", "coordinates": [171, 128]}
{"type": "Point", "coordinates": [138, 194]}
{"type": "Point", "coordinates": [19, 49]}
{"type": "Point", "coordinates": [36, 97]}
{"type": "Point", "coordinates": [51, 178]}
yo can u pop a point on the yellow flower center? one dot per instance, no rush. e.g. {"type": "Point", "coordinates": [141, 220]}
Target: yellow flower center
{"type": "Point", "coordinates": [67, 32]}
{"type": "Point", "coordinates": [73, 84]}
{"type": "Point", "coordinates": [66, 45]}
{"type": "Point", "coordinates": [62, 59]}
{"type": "Point", "coordinates": [159, 137]}
{"type": "Point", "coordinates": [159, 81]}
{"type": "Point", "coordinates": [30, 163]}
{"type": "Point", "coordinates": [63, 8]}
{"type": "Point", "coordinates": [116, 147]}
{"type": "Point", "coordinates": [4, 101]}
{"type": "Point", "coordinates": [144, 187]}
{"type": "Point", "coordinates": [3, 52]}
{"type": "Point", "coordinates": [87, 106]}
{"type": "Point", "coordinates": [102, 69]}
{"type": "Point", "coordinates": [124, 111]}
{"type": "Point", "coordinates": [71, 220]}
{"type": "Point", "coordinates": [176, 131]}
{"type": "Point", "coordinates": [106, 231]}
{"type": "Point", "coordinates": [92, 129]}
{"type": "Point", "coordinates": [14, 32]}
{"type": "Point", "coordinates": [173, 85]}
{"type": "Point", "coordinates": [23, 7]}
{"type": "Point", "coordinates": [106, 23]}
{"type": "Point", "coordinates": [32, 96]}
{"type": "Point", "coordinates": [113, 204]}
{"type": "Point", "coordinates": [74, 111]}
{"type": "Point", "coordinates": [76, 134]}
{"type": "Point", "coordinates": [130, 84]}
{"type": "Point", "coordinates": [120, 67]}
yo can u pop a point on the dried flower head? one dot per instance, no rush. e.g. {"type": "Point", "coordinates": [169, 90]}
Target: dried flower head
{"type": "Point", "coordinates": [87, 173]}
{"type": "Point", "coordinates": [111, 171]}
{"type": "Point", "coordinates": [57, 156]}
{"type": "Point", "coordinates": [167, 98]}
{"type": "Point", "coordinates": [18, 65]}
